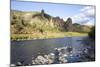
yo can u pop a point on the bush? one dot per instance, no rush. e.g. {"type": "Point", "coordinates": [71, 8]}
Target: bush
{"type": "Point", "coordinates": [92, 33]}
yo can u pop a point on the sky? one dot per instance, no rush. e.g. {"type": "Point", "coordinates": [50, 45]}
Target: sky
{"type": "Point", "coordinates": [81, 14]}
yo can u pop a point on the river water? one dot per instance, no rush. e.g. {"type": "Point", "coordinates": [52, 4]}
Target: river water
{"type": "Point", "coordinates": [23, 51]}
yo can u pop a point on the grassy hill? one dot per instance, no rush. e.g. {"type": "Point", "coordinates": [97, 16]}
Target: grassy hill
{"type": "Point", "coordinates": [34, 25]}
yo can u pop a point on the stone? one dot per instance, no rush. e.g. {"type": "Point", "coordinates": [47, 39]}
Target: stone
{"type": "Point", "coordinates": [19, 64]}
{"type": "Point", "coordinates": [12, 65]}
{"type": "Point", "coordinates": [51, 55]}
{"type": "Point", "coordinates": [50, 61]}
{"type": "Point", "coordinates": [62, 59]}
{"type": "Point", "coordinates": [33, 62]}
{"type": "Point", "coordinates": [41, 60]}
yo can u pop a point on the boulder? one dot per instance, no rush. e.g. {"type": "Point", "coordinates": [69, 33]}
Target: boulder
{"type": "Point", "coordinates": [12, 65]}
{"type": "Point", "coordinates": [40, 60]}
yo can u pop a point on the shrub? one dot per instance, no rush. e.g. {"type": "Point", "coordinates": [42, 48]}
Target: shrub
{"type": "Point", "coordinates": [92, 33]}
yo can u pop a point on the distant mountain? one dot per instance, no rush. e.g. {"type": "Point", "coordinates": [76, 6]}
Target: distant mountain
{"type": "Point", "coordinates": [81, 28]}
{"type": "Point", "coordinates": [30, 22]}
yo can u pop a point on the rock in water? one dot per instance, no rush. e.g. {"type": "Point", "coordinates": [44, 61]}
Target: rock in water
{"type": "Point", "coordinates": [51, 55]}
{"type": "Point", "coordinates": [62, 59]}
{"type": "Point", "coordinates": [41, 60]}
{"type": "Point", "coordinates": [12, 65]}
{"type": "Point", "coordinates": [33, 62]}
{"type": "Point", "coordinates": [19, 64]}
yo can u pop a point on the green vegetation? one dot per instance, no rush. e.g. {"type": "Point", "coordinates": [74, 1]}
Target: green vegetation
{"type": "Point", "coordinates": [45, 35]}
{"type": "Point", "coordinates": [39, 25]}
{"type": "Point", "coordinates": [92, 33]}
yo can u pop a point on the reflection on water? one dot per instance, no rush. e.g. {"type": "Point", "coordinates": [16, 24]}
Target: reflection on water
{"type": "Point", "coordinates": [25, 51]}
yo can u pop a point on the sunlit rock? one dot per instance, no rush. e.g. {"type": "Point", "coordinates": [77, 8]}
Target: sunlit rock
{"type": "Point", "coordinates": [12, 65]}
{"type": "Point", "coordinates": [19, 64]}
{"type": "Point", "coordinates": [41, 60]}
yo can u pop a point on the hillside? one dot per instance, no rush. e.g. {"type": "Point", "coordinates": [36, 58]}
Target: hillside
{"type": "Point", "coordinates": [41, 23]}
{"type": "Point", "coordinates": [30, 22]}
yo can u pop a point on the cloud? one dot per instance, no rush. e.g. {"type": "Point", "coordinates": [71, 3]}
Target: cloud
{"type": "Point", "coordinates": [88, 11]}
{"type": "Point", "coordinates": [89, 22]}
{"type": "Point", "coordinates": [85, 16]}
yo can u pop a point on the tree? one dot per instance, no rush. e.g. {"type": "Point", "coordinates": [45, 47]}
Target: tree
{"type": "Point", "coordinates": [92, 33]}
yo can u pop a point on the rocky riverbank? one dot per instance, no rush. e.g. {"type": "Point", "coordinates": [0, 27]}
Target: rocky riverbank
{"type": "Point", "coordinates": [60, 55]}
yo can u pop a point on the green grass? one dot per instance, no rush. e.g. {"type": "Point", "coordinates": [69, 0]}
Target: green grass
{"type": "Point", "coordinates": [45, 35]}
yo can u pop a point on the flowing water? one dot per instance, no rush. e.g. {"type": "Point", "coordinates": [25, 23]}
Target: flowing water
{"type": "Point", "coordinates": [23, 51]}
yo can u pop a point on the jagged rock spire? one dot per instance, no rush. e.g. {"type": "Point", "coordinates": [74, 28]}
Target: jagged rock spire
{"type": "Point", "coordinates": [42, 13]}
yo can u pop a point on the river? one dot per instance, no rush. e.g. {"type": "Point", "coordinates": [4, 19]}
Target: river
{"type": "Point", "coordinates": [24, 50]}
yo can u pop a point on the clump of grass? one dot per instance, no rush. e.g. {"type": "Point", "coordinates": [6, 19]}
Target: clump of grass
{"type": "Point", "coordinates": [45, 35]}
{"type": "Point", "coordinates": [75, 34]}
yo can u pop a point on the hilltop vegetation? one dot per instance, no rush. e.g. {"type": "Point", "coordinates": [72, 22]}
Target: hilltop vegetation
{"type": "Point", "coordinates": [41, 25]}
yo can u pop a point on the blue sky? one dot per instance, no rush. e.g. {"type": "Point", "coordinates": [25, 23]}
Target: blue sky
{"type": "Point", "coordinates": [62, 10]}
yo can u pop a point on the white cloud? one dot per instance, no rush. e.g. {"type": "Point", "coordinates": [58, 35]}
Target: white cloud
{"type": "Point", "coordinates": [89, 11]}
{"type": "Point", "coordinates": [88, 23]}
{"type": "Point", "coordinates": [85, 16]}
{"type": "Point", "coordinates": [85, 8]}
